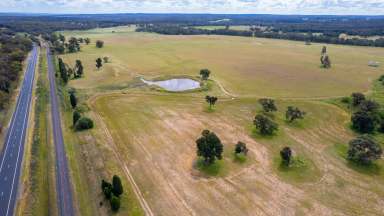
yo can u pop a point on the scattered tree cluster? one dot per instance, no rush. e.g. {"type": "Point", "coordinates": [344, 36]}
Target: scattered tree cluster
{"type": "Point", "coordinates": [61, 45]}
{"type": "Point", "coordinates": [67, 72]}
{"type": "Point", "coordinates": [79, 122]}
{"type": "Point", "coordinates": [366, 117]}
{"type": "Point", "coordinates": [112, 192]}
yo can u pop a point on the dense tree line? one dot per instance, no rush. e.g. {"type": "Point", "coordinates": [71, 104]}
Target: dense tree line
{"type": "Point", "coordinates": [13, 50]}
{"type": "Point", "coordinates": [172, 29]}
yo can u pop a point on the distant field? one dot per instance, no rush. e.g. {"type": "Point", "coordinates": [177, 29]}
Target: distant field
{"type": "Point", "coordinates": [245, 66]}
{"type": "Point", "coordinates": [151, 134]}
{"type": "Point", "coordinates": [239, 27]}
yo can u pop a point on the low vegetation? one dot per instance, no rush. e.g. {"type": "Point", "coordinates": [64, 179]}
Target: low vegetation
{"type": "Point", "coordinates": [112, 192]}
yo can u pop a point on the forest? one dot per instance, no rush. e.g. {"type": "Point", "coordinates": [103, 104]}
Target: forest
{"type": "Point", "coordinates": [13, 50]}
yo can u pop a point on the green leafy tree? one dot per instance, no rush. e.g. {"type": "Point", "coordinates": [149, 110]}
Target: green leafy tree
{"type": "Point", "coordinates": [99, 63]}
{"type": "Point", "coordinates": [357, 98]}
{"type": "Point", "coordinates": [211, 100]}
{"type": "Point", "coordinates": [106, 187]}
{"type": "Point", "coordinates": [209, 147]}
{"type": "Point", "coordinates": [87, 40]}
{"type": "Point", "coordinates": [294, 113]}
{"type": "Point", "coordinates": [62, 38]}
{"type": "Point", "coordinates": [73, 100]}
{"type": "Point", "coordinates": [79, 69]}
{"type": "Point", "coordinates": [265, 125]}
{"type": "Point", "coordinates": [117, 186]}
{"type": "Point", "coordinates": [84, 123]}
{"type": "Point", "coordinates": [286, 155]}
{"type": "Point", "coordinates": [268, 105]}
{"type": "Point", "coordinates": [364, 150]}
{"type": "Point", "coordinates": [241, 147]}
{"type": "Point", "coordinates": [363, 122]}
{"type": "Point", "coordinates": [99, 44]}
{"type": "Point", "coordinates": [76, 116]}
{"type": "Point", "coordinates": [369, 106]}
{"type": "Point", "coordinates": [204, 73]}
{"type": "Point", "coordinates": [324, 50]}
{"type": "Point", "coordinates": [115, 203]}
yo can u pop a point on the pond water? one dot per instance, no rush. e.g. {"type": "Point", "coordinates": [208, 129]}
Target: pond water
{"type": "Point", "coordinates": [175, 85]}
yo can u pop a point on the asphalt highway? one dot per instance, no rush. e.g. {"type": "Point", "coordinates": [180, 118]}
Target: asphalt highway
{"type": "Point", "coordinates": [13, 150]}
{"type": "Point", "coordinates": [63, 184]}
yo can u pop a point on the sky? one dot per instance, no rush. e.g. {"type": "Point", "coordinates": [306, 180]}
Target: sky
{"type": "Point", "coordinates": [337, 7]}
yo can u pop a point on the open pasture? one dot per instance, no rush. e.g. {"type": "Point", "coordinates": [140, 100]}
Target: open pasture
{"type": "Point", "coordinates": [245, 66]}
{"type": "Point", "coordinates": [155, 134]}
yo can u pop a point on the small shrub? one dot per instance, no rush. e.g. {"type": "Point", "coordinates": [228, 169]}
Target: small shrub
{"type": "Point", "coordinates": [115, 203]}
{"type": "Point", "coordinates": [76, 116]}
{"type": "Point", "coordinates": [346, 100]}
{"type": "Point", "coordinates": [84, 123]}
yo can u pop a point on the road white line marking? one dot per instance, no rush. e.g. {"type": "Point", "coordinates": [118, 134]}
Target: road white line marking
{"type": "Point", "coordinates": [24, 127]}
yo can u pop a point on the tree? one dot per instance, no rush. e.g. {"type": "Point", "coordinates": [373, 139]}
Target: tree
{"type": "Point", "coordinates": [79, 69]}
{"type": "Point", "coordinates": [62, 38]}
{"type": "Point", "coordinates": [73, 100]}
{"type": "Point", "coordinates": [106, 59]}
{"type": "Point", "coordinates": [99, 63]}
{"type": "Point", "coordinates": [357, 98]}
{"type": "Point", "coordinates": [286, 155]}
{"type": "Point", "coordinates": [265, 125]}
{"type": "Point", "coordinates": [115, 203]}
{"type": "Point", "coordinates": [209, 147]}
{"type": "Point", "coordinates": [87, 41]}
{"type": "Point", "coordinates": [294, 113]}
{"type": "Point", "coordinates": [117, 186]}
{"type": "Point", "coordinates": [363, 122]}
{"type": "Point", "coordinates": [84, 123]}
{"type": "Point", "coordinates": [106, 187]}
{"type": "Point", "coordinates": [76, 116]}
{"type": "Point", "coordinates": [204, 73]}
{"type": "Point", "coordinates": [325, 61]}
{"type": "Point", "coordinates": [364, 150]}
{"type": "Point", "coordinates": [241, 147]}
{"type": "Point", "coordinates": [369, 106]}
{"type": "Point", "coordinates": [99, 44]}
{"type": "Point", "coordinates": [268, 105]}
{"type": "Point", "coordinates": [211, 100]}
{"type": "Point", "coordinates": [324, 50]}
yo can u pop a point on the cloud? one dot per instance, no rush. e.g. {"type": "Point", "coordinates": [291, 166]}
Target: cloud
{"type": "Point", "coordinates": [367, 7]}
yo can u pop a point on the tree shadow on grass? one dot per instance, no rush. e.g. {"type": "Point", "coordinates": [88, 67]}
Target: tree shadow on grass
{"type": "Point", "coordinates": [372, 169]}
{"type": "Point", "coordinates": [239, 158]}
{"type": "Point", "coordinates": [257, 135]}
{"type": "Point", "coordinates": [215, 169]}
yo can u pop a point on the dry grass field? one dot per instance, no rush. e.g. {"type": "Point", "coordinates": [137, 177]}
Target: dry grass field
{"type": "Point", "coordinates": [149, 136]}
{"type": "Point", "coordinates": [245, 66]}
